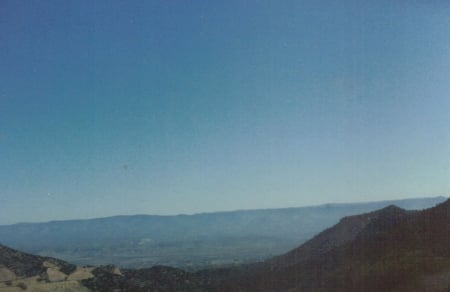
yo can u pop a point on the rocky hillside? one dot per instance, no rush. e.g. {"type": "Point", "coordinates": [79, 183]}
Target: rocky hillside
{"type": "Point", "coordinates": [25, 272]}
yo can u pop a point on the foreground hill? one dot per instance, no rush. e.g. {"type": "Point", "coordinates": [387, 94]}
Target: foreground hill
{"type": "Point", "coordinates": [186, 240]}
{"type": "Point", "coordinates": [344, 232]}
{"type": "Point", "coordinates": [21, 271]}
{"type": "Point", "coordinates": [387, 250]}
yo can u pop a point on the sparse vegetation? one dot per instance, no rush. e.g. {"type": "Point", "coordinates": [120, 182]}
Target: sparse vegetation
{"type": "Point", "coordinates": [22, 285]}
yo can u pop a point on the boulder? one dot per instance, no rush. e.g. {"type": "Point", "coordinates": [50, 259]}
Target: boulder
{"type": "Point", "coordinates": [54, 275]}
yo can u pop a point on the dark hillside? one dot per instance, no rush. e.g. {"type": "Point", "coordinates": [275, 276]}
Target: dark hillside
{"type": "Point", "coordinates": [27, 265]}
{"type": "Point", "coordinates": [387, 250]}
{"type": "Point", "coordinates": [345, 231]}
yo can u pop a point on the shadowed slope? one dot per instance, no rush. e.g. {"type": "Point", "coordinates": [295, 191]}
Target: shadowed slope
{"type": "Point", "coordinates": [345, 231]}
{"type": "Point", "coordinates": [387, 250]}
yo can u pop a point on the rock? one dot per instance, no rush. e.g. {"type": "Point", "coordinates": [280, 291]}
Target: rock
{"type": "Point", "coordinates": [54, 275]}
{"type": "Point", "coordinates": [48, 264]}
{"type": "Point", "coordinates": [81, 274]}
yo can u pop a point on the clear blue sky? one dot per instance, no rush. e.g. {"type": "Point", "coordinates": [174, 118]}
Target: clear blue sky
{"type": "Point", "coordinates": [165, 107]}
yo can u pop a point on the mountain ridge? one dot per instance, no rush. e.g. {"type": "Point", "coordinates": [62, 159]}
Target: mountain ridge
{"type": "Point", "coordinates": [336, 204]}
{"type": "Point", "coordinates": [187, 241]}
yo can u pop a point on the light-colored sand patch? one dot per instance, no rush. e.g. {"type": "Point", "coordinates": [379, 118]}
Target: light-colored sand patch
{"type": "Point", "coordinates": [81, 274]}
{"type": "Point", "coordinates": [48, 264]}
{"type": "Point", "coordinates": [34, 285]}
{"type": "Point", "coordinates": [54, 275]}
{"type": "Point", "coordinates": [6, 274]}
{"type": "Point", "coordinates": [65, 286]}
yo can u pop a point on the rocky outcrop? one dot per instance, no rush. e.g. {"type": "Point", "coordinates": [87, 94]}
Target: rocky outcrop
{"type": "Point", "coordinates": [25, 272]}
{"type": "Point", "coordinates": [6, 274]}
{"type": "Point", "coordinates": [54, 275]}
{"type": "Point", "coordinates": [81, 274]}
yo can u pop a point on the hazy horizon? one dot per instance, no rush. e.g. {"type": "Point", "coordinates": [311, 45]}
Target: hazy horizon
{"type": "Point", "coordinates": [165, 107]}
{"type": "Point", "coordinates": [220, 211]}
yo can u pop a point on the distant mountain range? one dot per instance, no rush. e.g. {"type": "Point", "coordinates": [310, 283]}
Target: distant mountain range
{"type": "Point", "coordinates": [390, 249]}
{"type": "Point", "coordinates": [187, 241]}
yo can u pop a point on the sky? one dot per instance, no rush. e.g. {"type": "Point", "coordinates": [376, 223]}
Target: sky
{"type": "Point", "coordinates": [168, 107]}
